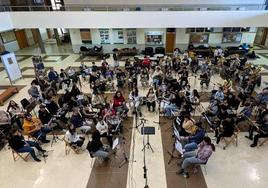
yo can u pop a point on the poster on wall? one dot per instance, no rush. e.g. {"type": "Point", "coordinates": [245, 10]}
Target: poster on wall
{"type": "Point", "coordinates": [104, 36]}
{"type": "Point", "coordinates": [11, 65]}
{"type": "Point", "coordinates": [154, 38]}
{"type": "Point", "coordinates": [118, 36]}
{"type": "Point", "coordinates": [231, 37]}
{"type": "Point", "coordinates": [131, 36]}
{"type": "Point", "coordinates": [199, 38]}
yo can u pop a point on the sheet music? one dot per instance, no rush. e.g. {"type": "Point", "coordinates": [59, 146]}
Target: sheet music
{"type": "Point", "coordinates": [178, 147]}
{"type": "Point", "coordinates": [115, 143]}
{"type": "Point", "coordinates": [176, 132]}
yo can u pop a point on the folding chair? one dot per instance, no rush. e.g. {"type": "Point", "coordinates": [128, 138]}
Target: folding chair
{"type": "Point", "coordinates": [69, 147]}
{"type": "Point", "coordinates": [262, 142]}
{"type": "Point", "coordinates": [17, 155]}
{"type": "Point", "coordinates": [232, 139]}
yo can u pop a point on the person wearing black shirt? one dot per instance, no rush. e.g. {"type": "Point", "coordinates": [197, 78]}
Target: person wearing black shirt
{"type": "Point", "coordinates": [95, 147]}
{"type": "Point", "coordinates": [17, 143]}
{"type": "Point", "coordinates": [52, 106]}
{"type": "Point", "coordinates": [227, 129]}
{"type": "Point", "coordinates": [64, 78]}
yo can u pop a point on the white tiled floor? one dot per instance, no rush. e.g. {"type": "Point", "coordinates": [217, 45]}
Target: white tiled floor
{"type": "Point", "coordinates": [235, 167]}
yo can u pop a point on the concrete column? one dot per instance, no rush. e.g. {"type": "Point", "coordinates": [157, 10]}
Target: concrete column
{"type": "Point", "coordinates": [57, 37]}
{"type": "Point", "coordinates": [40, 41]}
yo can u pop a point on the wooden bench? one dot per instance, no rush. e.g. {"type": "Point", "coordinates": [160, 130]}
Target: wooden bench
{"type": "Point", "coordinates": [7, 94]}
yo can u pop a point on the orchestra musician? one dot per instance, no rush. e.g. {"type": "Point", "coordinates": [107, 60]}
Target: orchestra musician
{"type": "Point", "coordinates": [103, 129]}
{"type": "Point", "coordinates": [33, 126]}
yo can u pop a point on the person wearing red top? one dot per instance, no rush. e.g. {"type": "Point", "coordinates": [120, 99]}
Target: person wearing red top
{"type": "Point", "coordinates": [119, 102]}
{"type": "Point", "coordinates": [146, 62]}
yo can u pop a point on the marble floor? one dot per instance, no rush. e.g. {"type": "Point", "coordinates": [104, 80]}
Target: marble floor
{"type": "Point", "coordinates": [235, 167]}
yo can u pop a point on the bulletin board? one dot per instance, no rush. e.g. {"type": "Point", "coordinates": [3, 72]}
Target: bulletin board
{"type": "Point", "coordinates": [11, 66]}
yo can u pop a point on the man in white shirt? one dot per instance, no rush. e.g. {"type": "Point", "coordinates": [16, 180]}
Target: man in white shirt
{"type": "Point", "coordinates": [103, 129]}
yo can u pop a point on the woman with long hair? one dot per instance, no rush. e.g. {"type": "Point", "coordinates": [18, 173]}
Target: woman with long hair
{"type": "Point", "coordinates": [134, 99]}
{"type": "Point", "coordinates": [119, 102]}
{"type": "Point", "coordinates": [205, 150]}
{"type": "Point", "coordinates": [73, 138]}
{"type": "Point", "coordinates": [15, 112]}
{"type": "Point", "coordinates": [151, 98]}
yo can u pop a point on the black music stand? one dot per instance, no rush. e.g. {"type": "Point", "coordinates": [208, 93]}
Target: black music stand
{"type": "Point", "coordinates": [148, 131]}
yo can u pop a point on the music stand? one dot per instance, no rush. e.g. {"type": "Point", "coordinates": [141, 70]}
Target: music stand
{"type": "Point", "coordinates": [148, 131]}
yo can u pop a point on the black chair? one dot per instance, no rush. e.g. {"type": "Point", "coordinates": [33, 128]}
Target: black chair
{"type": "Point", "coordinates": [24, 103]}
{"type": "Point", "coordinates": [148, 51]}
{"type": "Point", "coordinates": [160, 50]}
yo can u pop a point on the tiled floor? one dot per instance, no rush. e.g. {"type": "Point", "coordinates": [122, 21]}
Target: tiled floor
{"type": "Point", "coordinates": [239, 167]}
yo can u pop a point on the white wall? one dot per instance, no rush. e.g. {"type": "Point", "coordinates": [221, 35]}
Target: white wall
{"type": "Point", "coordinates": [75, 39]}
{"type": "Point", "coordinates": [43, 33]}
{"type": "Point", "coordinates": [162, 2]}
{"type": "Point", "coordinates": [5, 21]}
{"type": "Point", "coordinates": [143, 19]}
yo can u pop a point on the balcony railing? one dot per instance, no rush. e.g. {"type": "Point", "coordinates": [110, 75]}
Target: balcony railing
{"type": "Point", "coordinates": [247, 7]}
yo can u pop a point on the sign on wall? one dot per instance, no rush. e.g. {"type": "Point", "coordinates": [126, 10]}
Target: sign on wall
{"type": "Point", "coordinates": [118, 36]}
{"type": "Point", "coordinates": [104, 36]}
{"type": "Point", "coordinates": [11, 65]}
{"type": "Point", "coordinates": [231, 37]}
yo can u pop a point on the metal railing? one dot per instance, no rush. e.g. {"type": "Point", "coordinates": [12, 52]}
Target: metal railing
{"type": "Point", "coordinates": [203, 7]}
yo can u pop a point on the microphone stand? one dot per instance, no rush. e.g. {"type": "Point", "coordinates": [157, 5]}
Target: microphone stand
{"type": "Point", "coordinates": [144, 160]}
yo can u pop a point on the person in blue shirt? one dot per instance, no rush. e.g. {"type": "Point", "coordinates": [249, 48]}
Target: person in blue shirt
{"type": "Point", "coordinates": [219, 95]}
{"type": "Point", "coordinates": [194, 140]}
{"type": "Point", "coordinates": [53, 75]}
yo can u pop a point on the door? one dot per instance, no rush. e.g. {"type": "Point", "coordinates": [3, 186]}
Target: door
{"type": "Point", "coordinates": [170, 42]}
{"type": "Point", "coordinates": [21, 38]}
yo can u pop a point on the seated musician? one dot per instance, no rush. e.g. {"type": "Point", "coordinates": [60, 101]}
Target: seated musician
{"type": "Point", "coordinates": [219, 95]}
{"type": "Point", "coordinates": [205, 149]}
{"type": "Point", "coordinates": [73, 138]}
{"type": "Point", "coordinates": [144, 77]}
{"type": "Point", "coordinates": [15, 112]}
{"type": "Point", "coordinates": [121, 76]}
{"type": "Point", "coordinates": [33, 126]}
{"type": "Point", "coordinates": [151, 99]}
{"type": "Point", "coordinates": [194, 97]}
{"type": "Point", "coordinates": [157, 77]}
{"type": "Point", "coordinates": [98, 101]}
{"type": "Point", "coordinates": [146, 63]}
{"type": "Point", "coordinates": [64, 78]}
{"type": "Point", "coordinates": [213, 108]}
{"type": "Point", "coordinates": [51, 105]}
{"type": "Point", "coordinates": [79, 122]}
{"type": "Point", "coordinates": [103, 129]}
{"type": "Point", "coordinates": [204, 79]}
{"type": "Point", "coordinates": [246, 92]}
{"type": "Point", "coordinates": [192, 141]}
{"type": "Point", "coordinates": [47, 118]}
{"type": "Point", "coordinates": [262, 98]}
{"type": "Point", "coordinates": [119, 102]}
{"type": "Point", "coordinates": [134, 100]}
{"type": "Point", "coordinates": [245, 113]}
{"type": "Point", "coordinates": [262, 131]}
{"type": "Point", "coordinates": [95, 147]}
{"type": "Point", "coordinates": [184, 77]}
{"type": "Point", "coordinates": [188, 126]}
{"type": "Point", "coordinates": [34, 91]}
{"type": "Point", "coordinates": [227, 128]}
{"type": "Point", "coordinates": [227, 85]}
{"type": "Point", "coordinates": [19, 144]}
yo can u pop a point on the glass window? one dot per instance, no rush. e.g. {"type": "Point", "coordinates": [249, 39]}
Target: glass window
{"type": "Point", "coordinates": [227, 29]}
{"type": "Point", "coordinates": [199, 29]}
{"type": "Point", "coordinates": [236, 29]}
{"type": "Point", "coordinates": [245, 29]}
{"type": "Point", "coordinates": [209, 29]}
{"type": "Point", "coordinates": [8, 36]}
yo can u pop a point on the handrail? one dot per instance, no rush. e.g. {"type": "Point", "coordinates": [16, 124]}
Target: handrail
{"type": "Point", "coordinates": [78, 7]}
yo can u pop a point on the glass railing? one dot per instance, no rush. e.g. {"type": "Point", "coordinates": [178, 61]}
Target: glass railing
{"type": "Point", "coordinates": [203, 7]}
